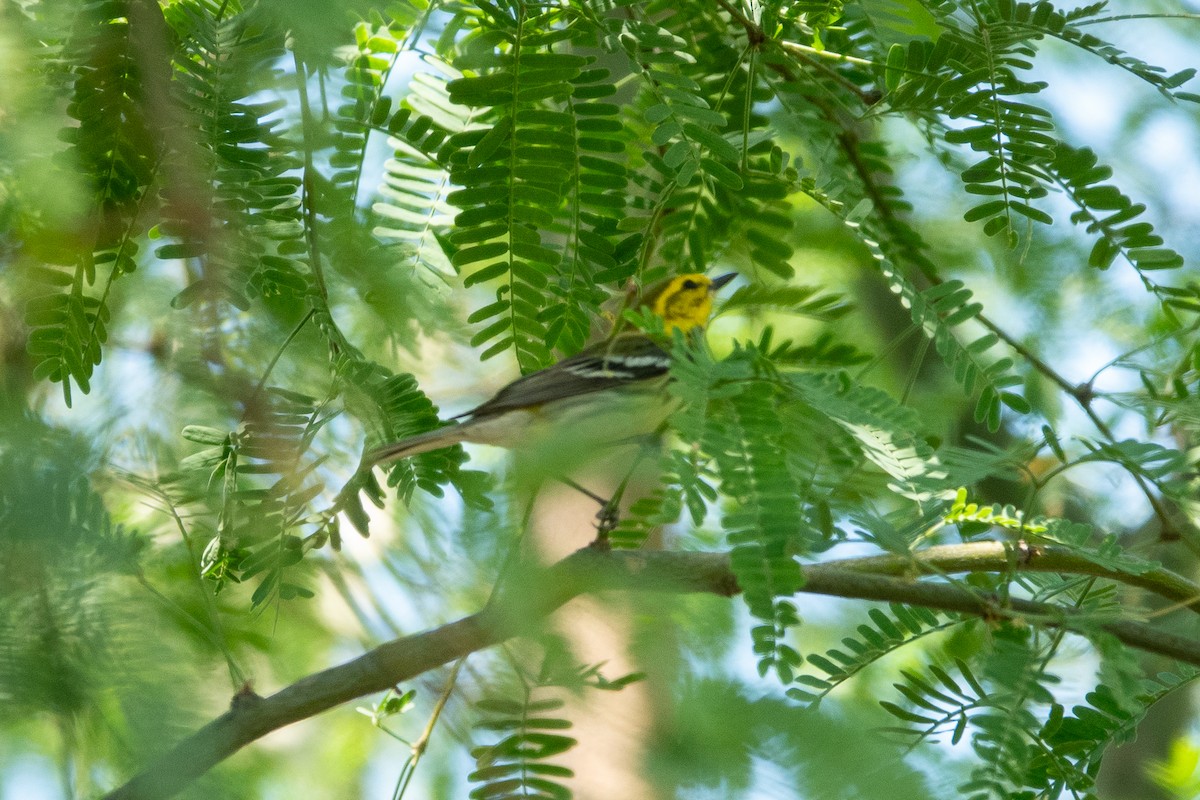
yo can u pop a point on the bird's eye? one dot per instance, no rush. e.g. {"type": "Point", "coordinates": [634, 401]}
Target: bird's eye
{"type": "Point", "coordinates": [690, 284]}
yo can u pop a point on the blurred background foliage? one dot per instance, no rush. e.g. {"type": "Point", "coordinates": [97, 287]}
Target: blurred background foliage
{"type": "Point", "coordinates": [241, 241]}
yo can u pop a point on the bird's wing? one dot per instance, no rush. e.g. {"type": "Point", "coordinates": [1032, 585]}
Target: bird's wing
{"type": "Point", "coordinates": [602, 366]}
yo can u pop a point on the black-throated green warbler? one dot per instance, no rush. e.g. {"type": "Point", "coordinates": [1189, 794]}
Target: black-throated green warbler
{"type": "Point", "coordinates": [610, 391]}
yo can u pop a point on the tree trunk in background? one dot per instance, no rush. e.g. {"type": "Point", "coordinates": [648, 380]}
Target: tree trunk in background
{"type": "Point", "coordinates": [612, 727]}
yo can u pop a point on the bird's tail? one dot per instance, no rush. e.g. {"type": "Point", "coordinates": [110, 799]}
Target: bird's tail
{"type": "Point", "coordinates": [414, 445]}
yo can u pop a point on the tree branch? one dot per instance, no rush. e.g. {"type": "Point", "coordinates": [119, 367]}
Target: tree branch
{"type": "Point", "coordinates": [991, 556]}
{"type": "Point", "coordinates": [527, 598]}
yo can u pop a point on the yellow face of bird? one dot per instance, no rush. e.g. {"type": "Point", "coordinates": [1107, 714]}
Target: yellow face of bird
{"type": "Point", "coordinates": [685, 301]}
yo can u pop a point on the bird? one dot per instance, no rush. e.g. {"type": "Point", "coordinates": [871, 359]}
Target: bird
{"type": "Point", "coordinates": [610, 391]}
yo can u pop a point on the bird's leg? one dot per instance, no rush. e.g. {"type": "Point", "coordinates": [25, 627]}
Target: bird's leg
{"type": "Point", "coordinates": [583, 490]}
{"type": "Point", "coordinates": [606, 518]}
{"type": "Point", "coordinates": [609, 515]}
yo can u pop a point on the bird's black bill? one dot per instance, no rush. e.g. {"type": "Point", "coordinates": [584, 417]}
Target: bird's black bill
{"type": "Point", "coordinates": [721, 280]}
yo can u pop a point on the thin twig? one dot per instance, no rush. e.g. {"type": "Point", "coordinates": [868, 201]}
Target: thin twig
{"type": "Point", "coordinates": [422, 742]}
